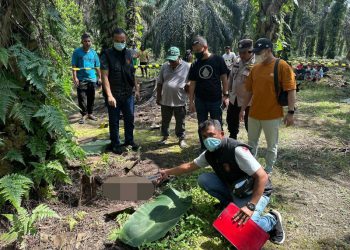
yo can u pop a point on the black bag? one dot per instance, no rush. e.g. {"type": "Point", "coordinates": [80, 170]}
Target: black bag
{"type": "Point", "coordinates": [244, 187]}
{"type": "Point", "coordinates": [281, 95]}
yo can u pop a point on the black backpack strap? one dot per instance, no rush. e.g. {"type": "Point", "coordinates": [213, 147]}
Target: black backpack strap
{"type": "Point", "coordinates": [275, 76]}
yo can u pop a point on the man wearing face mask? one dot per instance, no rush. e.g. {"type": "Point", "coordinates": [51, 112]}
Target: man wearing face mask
{"type": "Point", "coordinates": [118, 77]}
{"type": "Point", "coordinates": [231, 162]}
{"type": "Point", "coordinates": [171, 95]}
{"type": "Point", "coordinates": [239, 72]}
{"type": "Point", "coordinates": [208, 84]}
{"type": "Point", "coordinates": [265, 112]}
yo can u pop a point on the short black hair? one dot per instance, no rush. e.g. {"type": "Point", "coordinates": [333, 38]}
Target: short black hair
{"type": "Point", "coordinates": [118, 31]}
{"type": "Point", "coordinates": [210, 122]}
{"type": "Point", "coordinates": [85, 36]}
{"type": "Point", "coordinates": [199, 40]}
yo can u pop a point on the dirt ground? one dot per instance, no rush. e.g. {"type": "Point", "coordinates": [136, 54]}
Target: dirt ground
{"type": "Point", "coordinates": [311, 178]}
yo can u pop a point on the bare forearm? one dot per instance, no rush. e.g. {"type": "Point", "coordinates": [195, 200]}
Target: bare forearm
{"type": "Point", "coordinates": [74, 74]}
{"type": "Point", "coordinates": [258, 189]}
{"type": "Point", "coordinates": [98, 73]}
{"type": "Point", "coordinates": [246, 101]}
{"type": "Point", "coordinates": [291, 99]}
{"type": "Point", "coordinates": [137, 86]}
{"type": "Point", "coordinates": [224, 83]}
{"type": "Point", "coordinates": [182, 169]}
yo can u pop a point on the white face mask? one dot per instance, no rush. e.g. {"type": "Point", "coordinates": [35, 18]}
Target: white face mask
{"type": "Point", "coordinates": [261, 58]}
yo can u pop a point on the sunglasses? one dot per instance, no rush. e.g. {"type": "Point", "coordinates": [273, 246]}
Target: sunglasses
{"type": "Point", "coordinates": [171, 61]}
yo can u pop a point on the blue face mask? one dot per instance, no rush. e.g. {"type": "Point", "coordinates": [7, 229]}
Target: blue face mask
{"type": "Point", "coordinates": [119, 46]}
{"type": "Point", "coordinates": [212, 143]}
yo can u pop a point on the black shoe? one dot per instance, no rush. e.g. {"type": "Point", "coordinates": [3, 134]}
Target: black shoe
{"type": "Point", "coordinates": [82, 120]}
{"type": "Point", "coordinates": [134, 146]}
{"type": "Point", "coordinates": [277, 235]}
{"type": "Point", "coordinates": [117, 150]}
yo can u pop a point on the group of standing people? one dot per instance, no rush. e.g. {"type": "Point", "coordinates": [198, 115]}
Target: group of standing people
{"type": "Point", "coordinates": [244, 84]}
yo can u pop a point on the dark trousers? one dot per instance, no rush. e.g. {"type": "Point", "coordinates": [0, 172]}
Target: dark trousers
{"type": "Point", "coordinates": [232, 119]}
{"type": "Point", "coordinates": [204, 108]}
{"type": "Point", "coordinates": [86, 97]}
{"type": "Point", "coordinates": [167, 114]}
{"type": "Point", "coordinates": [127, 108]}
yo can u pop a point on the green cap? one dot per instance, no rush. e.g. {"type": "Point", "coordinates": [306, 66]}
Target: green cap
{"type": "Point", "coordinates": [173, 53]}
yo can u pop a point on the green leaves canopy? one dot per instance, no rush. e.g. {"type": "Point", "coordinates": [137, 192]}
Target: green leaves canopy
{"type": "Point", "coordinates": [154, 219]}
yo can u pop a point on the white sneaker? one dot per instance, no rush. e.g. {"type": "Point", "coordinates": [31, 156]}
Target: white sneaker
{"type": "Point", "coordinates": [182, 143]}
{"type": "Point", "coordinates": [163, 141]}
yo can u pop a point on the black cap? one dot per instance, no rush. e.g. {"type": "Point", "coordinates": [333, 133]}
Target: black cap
{"type": "Point", "coordinates": [227, 47]}
{"type": "Point", "coordinates": [262, 43]}
{"type": "Point", "coordinates": [245, 44]}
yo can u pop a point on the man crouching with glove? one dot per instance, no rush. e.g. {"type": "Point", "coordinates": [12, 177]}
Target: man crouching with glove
{"type": "Point", "coordinates": [237, 178]}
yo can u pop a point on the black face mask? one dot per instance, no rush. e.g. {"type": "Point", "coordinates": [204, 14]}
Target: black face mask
{"type": "Point", "coordinates": [199, 55]}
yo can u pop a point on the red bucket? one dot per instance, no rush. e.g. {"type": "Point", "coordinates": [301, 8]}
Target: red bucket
{"type": "Point", "coordinates": [244, 237]}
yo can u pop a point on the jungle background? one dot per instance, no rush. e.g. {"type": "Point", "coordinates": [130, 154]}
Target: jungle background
{"type": "Point", "coordinates": [49, 196]}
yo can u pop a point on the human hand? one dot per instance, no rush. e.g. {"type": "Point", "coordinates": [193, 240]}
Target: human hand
{"type": "Point", "coordinates": [192, 108]}
{"type": "Point", "coordinates": [137, 95]}
{"type": "Point", "coordinates": [112, 101]}
{"type": "Point", "coordinates": [76, 82]}
{"type": "Point", "coordinates": [243, 215]}
{"type": "Point", "coordinates": [163, 176]}
{"type": "Point", "coordinates": [241, 115]}
{"type": "Point", "coordinates": [226, 101]}
{"type": "Point", "coordinates": [288, 120]}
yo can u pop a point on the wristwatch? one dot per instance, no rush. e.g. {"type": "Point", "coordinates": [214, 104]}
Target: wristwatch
{"type": "Point", "coordinates": [291, 112]}
{"type": "Point", "coordinates": [226, 94]}
{"type": "Point", "coordinates": [250, 206]}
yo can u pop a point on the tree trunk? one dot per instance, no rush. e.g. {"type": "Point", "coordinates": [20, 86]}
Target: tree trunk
{"type": "Point", "coordinates": [268, 18]}
{"type": "Point", "coordinates": [130, 19]}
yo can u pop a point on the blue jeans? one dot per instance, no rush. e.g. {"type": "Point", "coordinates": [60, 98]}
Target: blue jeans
{"type": "Point", "coordinates": [127, 108]}
{"type": "Point", "coordinates": [211, 183]}
{"type": "Point", "coordinates": [204, 108]}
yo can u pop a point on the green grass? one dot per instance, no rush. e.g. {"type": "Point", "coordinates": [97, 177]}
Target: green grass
{"type": "Point", "coordinates": [311, 150]}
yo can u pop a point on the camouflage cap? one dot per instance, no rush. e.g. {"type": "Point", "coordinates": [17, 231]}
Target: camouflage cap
{"type": "Point", "coordinates": [245, 44]}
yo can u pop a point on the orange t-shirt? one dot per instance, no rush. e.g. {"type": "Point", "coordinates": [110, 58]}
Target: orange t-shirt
{"type": "Point", "coordinates": [260, 83]}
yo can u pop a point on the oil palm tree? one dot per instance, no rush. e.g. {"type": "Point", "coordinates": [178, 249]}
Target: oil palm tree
{"type": "Point", "coordinates": [176, 22]}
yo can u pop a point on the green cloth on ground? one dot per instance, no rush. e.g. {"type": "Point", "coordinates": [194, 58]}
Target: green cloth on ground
{"type": "Point", "coordinates": [95, 147]}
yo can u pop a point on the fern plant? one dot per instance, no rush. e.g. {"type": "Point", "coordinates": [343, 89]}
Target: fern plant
{"type": "Point", "coordinates": [4, 57]}
{"type": "Point", "coordinates": [13, 187]}
{"type": "Point", "coordinates": [53, 119]}
{"type": "Point", "coordinates": [14, 155]}
{"type": "Point", "coordinates": [23, 223]}
{"type": "Point", "coordinates": [8, 96]}
{"type": "Point", "coordinates": [50, 173]}
{"type": "Point", "coordinates": [68, 149]}
{"type": "Point", "coordinates": [38, 145]}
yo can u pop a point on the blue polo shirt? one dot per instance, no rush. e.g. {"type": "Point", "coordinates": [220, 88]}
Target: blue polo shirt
{"type": "Point", "coordinates": [82, 59]}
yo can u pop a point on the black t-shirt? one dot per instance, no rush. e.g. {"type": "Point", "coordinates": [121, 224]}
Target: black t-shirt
{"type": "Point", "coordinates": [121, 72]}
{"type": "Point", "coordinates": [207, 74]}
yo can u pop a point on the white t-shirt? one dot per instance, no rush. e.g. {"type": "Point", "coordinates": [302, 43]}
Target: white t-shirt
{"type": "Point", "coordinates": [229, 58]}
{"type": "Point", "coordinates": [245, 160]}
